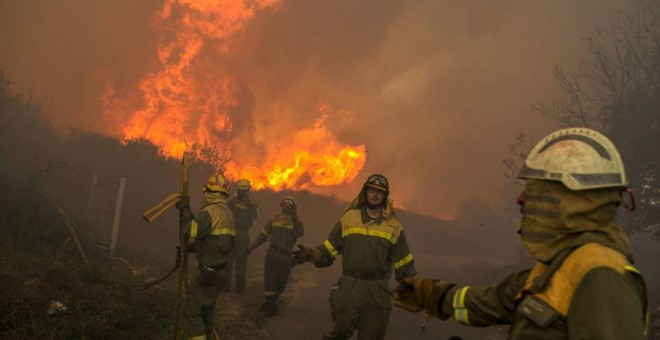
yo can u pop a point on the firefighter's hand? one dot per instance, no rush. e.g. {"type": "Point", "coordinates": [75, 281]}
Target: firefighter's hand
{"type": "Point", "coordinates": [407, 296]}
{"type": "Point", "coordinates": [294, 261]}
{"type": "Point", "coordinates": [184, 208]}
{"type": "Point", "coordinates": [303, 254]}
{"type": "Point", "coordinates": [417, 294]}
{"type": "Point", "coordinates": [183, 203]}
{"type": "Point", "coordinates": [251, 247]}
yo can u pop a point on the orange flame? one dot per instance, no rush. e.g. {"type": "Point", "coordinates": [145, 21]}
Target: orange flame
{"type": "Point", "coordinates": [190, 101]}
{"type": "Point", "coordinates": [312, 156]}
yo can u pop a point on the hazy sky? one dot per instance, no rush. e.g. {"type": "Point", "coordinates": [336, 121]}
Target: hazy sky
{"type": "Point", "coordinates": [435, 90]}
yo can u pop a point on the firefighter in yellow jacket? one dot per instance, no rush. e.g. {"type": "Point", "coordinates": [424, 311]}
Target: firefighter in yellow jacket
{"type": "Point", "coordinates": [283, 230]}
{"type": "Point", "coordinates": [371, 241]}
{"type": "Point", "coordinates": [583, 285]}
{"type": "Point", "coordinates": [211, 236]}
{"type": "Point", "coordinates": [245, 211]}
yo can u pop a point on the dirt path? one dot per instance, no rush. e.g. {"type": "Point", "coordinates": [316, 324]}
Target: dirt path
{"type": "Point", "coordinates": [304, 312]}
{"type": "Point", "coordinates": [301, 314]}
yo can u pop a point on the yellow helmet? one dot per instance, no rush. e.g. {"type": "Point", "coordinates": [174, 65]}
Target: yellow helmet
{"type": "Point", "coordinates": [580, 158]}
{"type": "Point", "coordinates": [244, 184]}
{"type": "Point", "coordinates": [288, 202]}
{"type": "Point", "coordinates": [217, 183]}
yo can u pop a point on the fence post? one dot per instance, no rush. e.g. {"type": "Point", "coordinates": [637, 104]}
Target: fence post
{"type": "Point", "coordinates": [115, 224]}
{"type": "Point", "coordinates": [92, 198]}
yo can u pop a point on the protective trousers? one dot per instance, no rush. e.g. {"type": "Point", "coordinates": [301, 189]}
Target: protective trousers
{"type": "Point", "coordinates": [361, 305]}
{"type": "Point", "coordinates": [199, 305]}
{"type": "Point", "coordinates": [276, 274]}
{"type": "Point", "coordinates": [237, 260]}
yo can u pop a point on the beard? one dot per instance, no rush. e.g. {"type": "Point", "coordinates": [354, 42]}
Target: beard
{"type": "Point", "coordinates": [371, 205]}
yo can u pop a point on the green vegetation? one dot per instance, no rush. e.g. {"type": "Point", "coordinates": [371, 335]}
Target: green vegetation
{"type": "Point", "coordinates": [39, 262]}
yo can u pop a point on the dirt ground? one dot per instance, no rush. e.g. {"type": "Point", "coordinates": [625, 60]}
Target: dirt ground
{"type": "Point", "coordinates": [304, 312]}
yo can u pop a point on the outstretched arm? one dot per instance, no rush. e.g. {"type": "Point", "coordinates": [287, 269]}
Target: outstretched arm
{"type": "Point", "coordinates": [325, 254]}
{"type": "Point", "coordinates": [473, 306]}
{"type": "Point", "coordinates": [263, 235]}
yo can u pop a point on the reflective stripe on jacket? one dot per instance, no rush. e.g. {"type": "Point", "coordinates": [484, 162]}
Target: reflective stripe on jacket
{"type": "Point", "coordinates": [593, 294]}
{"type": "Point", "coordinates": [368, 246]}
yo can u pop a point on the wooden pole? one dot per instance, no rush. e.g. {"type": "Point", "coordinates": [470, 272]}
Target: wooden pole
{"type": "Point", "coordinates": [92, 198]}
{"type": "Point", "coordinates": [115, 224]}
{"type": "Point", "coordinates": [183, 243]}
{"type": "Point", "coordinates": [74, 234]}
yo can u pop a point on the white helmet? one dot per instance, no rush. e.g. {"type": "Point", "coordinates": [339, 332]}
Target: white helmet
{"type": "Point", "coordinates": [580, 158]}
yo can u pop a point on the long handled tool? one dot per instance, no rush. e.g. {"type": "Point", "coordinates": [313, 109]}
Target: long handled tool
{"type": "Point", "coordinates": [150, 216]}
{"type": "Point", "coordinates": [183, 246]}
{"type": "Point", "coordinates": [161, 207]}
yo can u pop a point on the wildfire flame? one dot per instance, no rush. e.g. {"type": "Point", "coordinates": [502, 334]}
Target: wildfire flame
{"type": "Point", "coordinates": [312, 156]}
{"type": "Point", "coordinates": [190, 101]}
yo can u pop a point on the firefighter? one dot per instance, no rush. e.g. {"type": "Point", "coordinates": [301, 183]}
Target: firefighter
{"type": "Point", "coordinates": [371, 241]}
{"type": "Point", "coordinates": [211, 236]}
{"type": "Point", "coordinates": [245, 211]}
{"type": "Point", "coordinates": [583, 285]}
{"type": "Point", "coordinates": [283, 230]}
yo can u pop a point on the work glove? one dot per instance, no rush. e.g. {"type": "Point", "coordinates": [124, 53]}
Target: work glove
{"type": "Point", "coordinates": [184, 207]}
{"type": "Point", "coordinates": [183, 203]}
{"type": "Point", "coordinates": [303, 254]}
{"type": "Point", "coordinates": [294, 261]}
{"type": "Point", "coordinates": [417, 294]}
{"type": "Point", "coordinates": [251, 247]}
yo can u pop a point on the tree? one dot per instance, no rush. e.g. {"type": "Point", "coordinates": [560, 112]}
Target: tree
{"type": "Point", "coordinates": [616, 90]}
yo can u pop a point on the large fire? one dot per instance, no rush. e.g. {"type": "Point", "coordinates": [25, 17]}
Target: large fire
{"type": "Point", "coordinates": [191, 100]}
{"type": "Point", "coordinates": [311, 156]}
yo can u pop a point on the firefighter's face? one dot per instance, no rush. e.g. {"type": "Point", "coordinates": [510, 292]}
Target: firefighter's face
{"type": "Point", "coordinates": [521, 201]}
{"type": "Point", "coordinates": [375, 197]}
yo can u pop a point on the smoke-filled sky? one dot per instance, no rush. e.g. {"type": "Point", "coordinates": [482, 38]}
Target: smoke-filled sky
{"type": "Point", "coordinates": [434, 90]}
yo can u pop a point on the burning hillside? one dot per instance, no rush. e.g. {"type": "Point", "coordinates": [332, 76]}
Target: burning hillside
{"type": "Point", "coordinates": [194, 102]}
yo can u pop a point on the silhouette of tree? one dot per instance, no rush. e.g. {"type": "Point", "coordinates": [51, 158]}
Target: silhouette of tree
{"type": "Point", "coordinates": [616, 90]}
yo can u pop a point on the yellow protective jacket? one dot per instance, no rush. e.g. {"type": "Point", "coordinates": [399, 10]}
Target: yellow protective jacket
{"type": "Point", "coordinates": [591, 292]}
{"type": "Point", "coordinates": [213, 232]}
{"type": "Point", "coordinates": [369, 247]}
{"type": "Point", "coordinates": [283, 231]}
